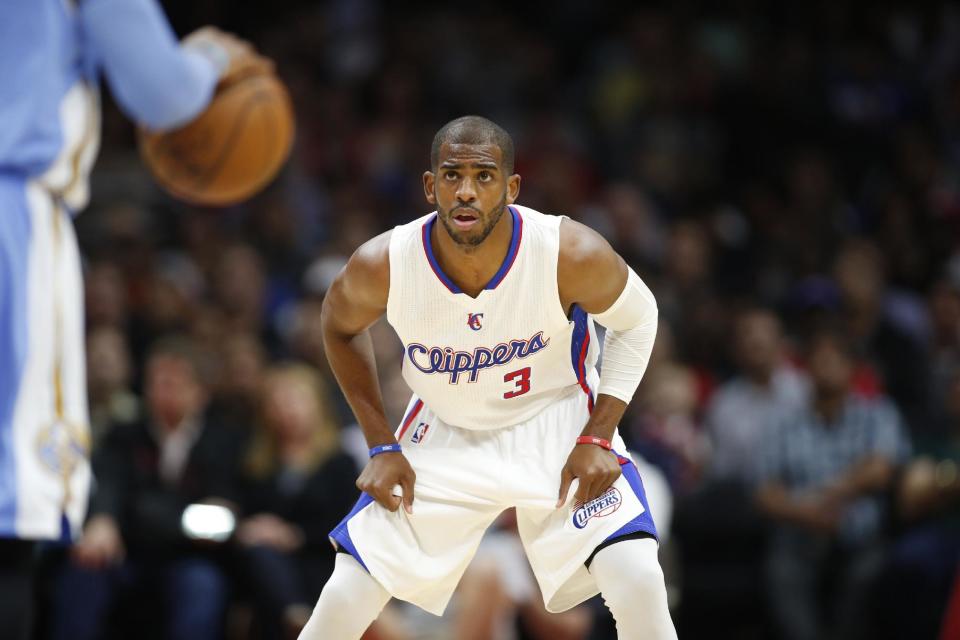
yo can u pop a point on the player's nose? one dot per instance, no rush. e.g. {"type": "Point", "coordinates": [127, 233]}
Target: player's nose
{"type": "Point", "coordinates": [466, 191]}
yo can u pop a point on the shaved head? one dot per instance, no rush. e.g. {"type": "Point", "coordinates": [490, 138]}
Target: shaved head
{"type": "Point", "coordinates": [473, 130]}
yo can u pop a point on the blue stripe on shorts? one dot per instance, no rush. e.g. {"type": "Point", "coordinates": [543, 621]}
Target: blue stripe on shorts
{"type": "Point", "coordinates": [342, 535]}
{"type": "Point", "coordinates": [643, 523]}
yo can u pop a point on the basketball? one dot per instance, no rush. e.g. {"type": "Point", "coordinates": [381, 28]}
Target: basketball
{"type": "Point", "coordinates": [232, 149]}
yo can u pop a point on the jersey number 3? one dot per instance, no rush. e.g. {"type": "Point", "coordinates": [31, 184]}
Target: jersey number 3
{"type": "Point", "coordinates": [521, 378]}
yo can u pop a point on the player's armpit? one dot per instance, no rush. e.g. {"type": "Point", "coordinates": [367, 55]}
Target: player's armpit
{"type": "Point", "coordinates": [358, 296]}
{"type": "Point", "coordinates": [589, 272]}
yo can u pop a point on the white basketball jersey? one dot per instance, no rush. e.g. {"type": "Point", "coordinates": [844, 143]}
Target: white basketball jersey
{"type": "Point", "coordinates": [500, 358]}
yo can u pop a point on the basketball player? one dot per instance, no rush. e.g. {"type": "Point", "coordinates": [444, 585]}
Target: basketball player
{"type": "Point", "coordinates": [51, 53]}
{"type": "Point", "coordinates": [494, 303]}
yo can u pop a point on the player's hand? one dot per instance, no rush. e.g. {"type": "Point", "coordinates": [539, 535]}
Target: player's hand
{"type": "Point", "coordinates": [594, 466]}
{"type": "Point", "coordinates": [100, 546]}
{"type": "Point", "coordinates": [382, 474]}
{"type": "Point", "coordinates": [233, 56]}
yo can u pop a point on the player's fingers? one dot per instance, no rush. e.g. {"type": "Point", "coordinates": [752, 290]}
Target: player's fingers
{"type": "Point", "coordinates": [603, 483]}
{"type": "Point", "coordinates": [395, 502]}
{"type": "Point", "coordinates": [406, 483]}
{"type": "Point", "coordinates": [585, 490]}
{"type": "Point", "coordinates": [202, 33]}
{"type": "Point", "coordinates": [384, 496]}
{"type": "Point", "coordinates": [565, 479]}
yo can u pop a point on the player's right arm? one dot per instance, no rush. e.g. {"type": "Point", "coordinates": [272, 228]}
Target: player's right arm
{"type": "Point", "coordinates": [356, 299]}
{"type": "Point", "coordinates": [156, 81]}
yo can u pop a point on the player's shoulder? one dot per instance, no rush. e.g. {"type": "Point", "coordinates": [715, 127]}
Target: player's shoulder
{"type": "Point", "coordinates": [589, 271]}
{"type": "Point", "coordinates": [374, 250]}
{"type": "Point", "coordinates": [581, 246]}
{"type": "Point", "coordinates": [370, 263]}
{"type": "Point", "coordinates": [534, 217]}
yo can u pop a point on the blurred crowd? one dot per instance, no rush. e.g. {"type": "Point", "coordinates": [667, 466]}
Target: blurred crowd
{"type": "Point", "coordinates": [785, 178]}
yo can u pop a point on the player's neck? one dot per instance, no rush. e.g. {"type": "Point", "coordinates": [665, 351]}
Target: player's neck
{"type": "Point", "coordinates": [472, 267]}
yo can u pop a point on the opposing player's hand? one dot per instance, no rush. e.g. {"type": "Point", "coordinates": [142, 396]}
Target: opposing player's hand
{"type": "Point", "coordinates": [594, 466]}
{"type": "Point", "coordinates": [233, 56]}
{"type": "Point", "coordinates": [382, 474]}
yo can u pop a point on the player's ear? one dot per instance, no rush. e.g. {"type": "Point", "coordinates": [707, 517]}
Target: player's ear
{"type": "Point", "coordinates": [428, 179]}
{"type": "Point", "coordinates": [513, 188]}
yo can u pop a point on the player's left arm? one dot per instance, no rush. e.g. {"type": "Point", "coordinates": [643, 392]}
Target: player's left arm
{"type": "Point", "coordinates": [592, 275]}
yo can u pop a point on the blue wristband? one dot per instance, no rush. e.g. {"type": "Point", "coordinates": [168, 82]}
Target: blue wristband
{"type": "Point", "coordinates": [384, 448]}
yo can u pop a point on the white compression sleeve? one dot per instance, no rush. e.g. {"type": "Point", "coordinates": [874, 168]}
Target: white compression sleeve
{"type": "Point", "coordinates": [349, 603]}
{"type": "Point", "coordinates": [631, 583]}
{"type": "Point", "coordinates": [631, 324]}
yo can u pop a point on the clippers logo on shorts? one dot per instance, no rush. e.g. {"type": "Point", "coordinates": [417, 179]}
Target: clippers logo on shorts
{"type": "Point", "coordinates": [430, 360]}
{"type": "Point", "coordinates": [419, 433]}
{"type": "Point", "coordinates": [604, 505]}
{"type": "Point", "coordinates": [473, 321]}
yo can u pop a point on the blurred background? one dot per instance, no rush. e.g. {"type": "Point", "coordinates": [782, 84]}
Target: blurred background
{"type": "Point", "coordinates": [784, 176]}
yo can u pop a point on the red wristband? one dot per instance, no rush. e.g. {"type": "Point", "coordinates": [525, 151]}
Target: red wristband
{"type": "Point", "coordinates": [600, 442]}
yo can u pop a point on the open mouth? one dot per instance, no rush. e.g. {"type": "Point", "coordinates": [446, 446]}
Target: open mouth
{"type": "Point", "coordinates": [464, 218]}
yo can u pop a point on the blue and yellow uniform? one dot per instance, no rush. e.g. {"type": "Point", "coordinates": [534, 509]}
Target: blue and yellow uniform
{"type": "Point", "coordinates": [52, 53]}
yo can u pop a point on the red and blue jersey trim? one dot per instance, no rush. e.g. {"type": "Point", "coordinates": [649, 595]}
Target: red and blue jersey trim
{"type": "Point", "coordinates": [579, 348]}
{"type": "Point", "coordinates": [512, 252]}
{"type": "Point", "coordinates": [408, 420]}
{"type": "Point", "coordinates": [428, 250]}
{"type": "Point", "coordinates": [508, 260]}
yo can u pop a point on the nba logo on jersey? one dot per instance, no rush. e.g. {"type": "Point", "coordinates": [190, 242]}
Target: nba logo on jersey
{"type": "Point", "coordinates": [419, 433]}
{"type": "Point", "coordinates": [473, 321]}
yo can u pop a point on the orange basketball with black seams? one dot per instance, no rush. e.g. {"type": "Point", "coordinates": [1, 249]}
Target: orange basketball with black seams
{"type": "Point", "coordinates": [232, 150]}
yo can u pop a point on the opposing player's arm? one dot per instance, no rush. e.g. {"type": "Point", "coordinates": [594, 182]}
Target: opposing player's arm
{"type": "Point", "coordinates": [592, 275]}
{"type": "Point", "coordinates": [356, 299]}
{"type": "Point", "coordinates": [157, 81]}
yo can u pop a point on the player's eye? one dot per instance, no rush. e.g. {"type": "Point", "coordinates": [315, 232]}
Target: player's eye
{"type": "Point", "coordinates": [450, 175]}
{"type": "Point", "coordinates": [485, 176]}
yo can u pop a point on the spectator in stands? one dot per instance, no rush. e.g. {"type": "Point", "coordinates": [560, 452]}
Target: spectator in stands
{"type": "Point", "coordinates": [944, 306]}
{"type": "Point", "coordinates": [304, 339]}
{"type": "Point", "coordinates": [234, 399]}
{"type": "Point", "coordinates": [148, 473]}
{"type": "Point", "coordinates": [105, 299]}
{"type": "Point", "coordinates": [239, 288]}
{"type": "Point", "coordinates": [879, 324]}
{"type": "Point", "coordinates": [925, 558]}
{"type": "Point", "coordinates": [664, 428]}
{"type": "Point", "coordinates": [718, 528]}
{"type": "Point", "coordinates": [108, 382]}
{"type": "Point", "coordinates": [298, 483]}
{"type": "Point", "coordinates": [824, 470]}
{"type": "Point", "coordinates": [767, 388]}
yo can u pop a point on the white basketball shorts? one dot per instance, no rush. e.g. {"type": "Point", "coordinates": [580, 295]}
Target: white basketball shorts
{"type": "Point", "coordinates": [465, 478]}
